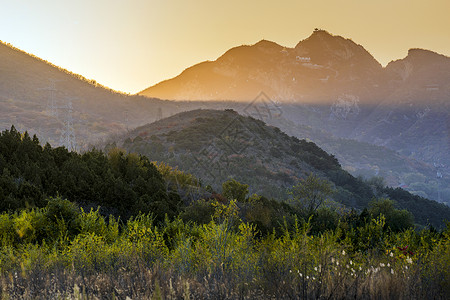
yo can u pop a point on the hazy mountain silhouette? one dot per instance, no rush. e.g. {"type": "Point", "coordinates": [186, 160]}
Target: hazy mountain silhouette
{"type": "Point", "coordinates": [317, 69]}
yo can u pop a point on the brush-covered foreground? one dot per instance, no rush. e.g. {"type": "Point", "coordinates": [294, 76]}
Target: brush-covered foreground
{"type": "Point", "coordinates": [62, 252]}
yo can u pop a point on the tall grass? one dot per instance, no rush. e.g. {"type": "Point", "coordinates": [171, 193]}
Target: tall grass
{"type": "Point", "coordinates": [224, 259]}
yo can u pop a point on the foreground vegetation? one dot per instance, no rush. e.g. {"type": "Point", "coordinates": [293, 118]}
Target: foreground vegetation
{"type": "Point", "coordinates": [60, 250]}
{"type": "Point", "coordinates": [116, 226]}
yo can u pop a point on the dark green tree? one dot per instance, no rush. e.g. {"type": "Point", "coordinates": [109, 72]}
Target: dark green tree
{"type": "Point", "coordinates": [311, 193]}
{"type": "Point", "coordinates": [232, 189]}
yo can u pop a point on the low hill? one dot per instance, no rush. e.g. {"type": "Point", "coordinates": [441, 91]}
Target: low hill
{"type": "Point", "coordinates": [218, 145]}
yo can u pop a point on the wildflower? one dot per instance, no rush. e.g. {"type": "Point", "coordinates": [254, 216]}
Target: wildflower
{"type": "Point", "coordinates": [409, 260]}
{"type": "Point", "coordinates": [382, 264]}
{"type": "Point", "coordinates": [391, 254]}
{"type": "Point", "coordinates": [351, 262]}
{"type": "Point", "coordinates": [347, 266]}
{"type": "Point", "coordinates": [332, 260]}
{"type": "Point", "coordinates": [301, 275]}
{"type": "Point", "coordinates": [343, 252]}
{"type": "Point", "coordinates": [360, 268]}
{"type": "Point", "coordinates": [315, 269]}
{"type": "Point", "coordinates": [392, 271]}
{"type": "Point", "coordinates": [388, 265]}
{"type": "Point", "coordinates": [307, 277]}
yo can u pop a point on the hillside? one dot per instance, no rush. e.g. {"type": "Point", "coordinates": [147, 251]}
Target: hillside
{"type": "Point", "coordinates": [357, 157]}
{"type": "Point", "coordinates": [218, 145]}
{"type": "Point", "coordinates": [369, 160]}
{"type": "Point", "coordinates": [29, 86]}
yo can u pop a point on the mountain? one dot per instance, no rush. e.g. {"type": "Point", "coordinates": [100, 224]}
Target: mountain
{"type": "Point", "coordinates": [36, 95]}
{"type": "Point", "coordinates": [415, 118]}
{"type": "Point", "coordinates": [319, 67]}
{"type": "Point", "coordinates": [217, 145]}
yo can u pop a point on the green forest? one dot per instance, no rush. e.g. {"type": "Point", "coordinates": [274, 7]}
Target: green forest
{"type": "Point", "coordinates": [114, 225]}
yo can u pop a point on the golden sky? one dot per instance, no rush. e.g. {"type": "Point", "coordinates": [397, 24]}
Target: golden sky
{"type": "Point", "coordinates": [129, 45]}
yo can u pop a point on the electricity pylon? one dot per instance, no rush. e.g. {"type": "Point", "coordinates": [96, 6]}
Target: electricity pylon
{"type": "Point", "coordinates": [67, 138]}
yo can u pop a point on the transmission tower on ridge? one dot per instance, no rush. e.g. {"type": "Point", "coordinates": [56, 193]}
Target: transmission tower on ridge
{"type": "Point", "coordinates": [67, 138]}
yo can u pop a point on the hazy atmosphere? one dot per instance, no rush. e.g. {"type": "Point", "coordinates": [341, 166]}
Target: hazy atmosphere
{"type": "Point", "coordinates": [130, 45]}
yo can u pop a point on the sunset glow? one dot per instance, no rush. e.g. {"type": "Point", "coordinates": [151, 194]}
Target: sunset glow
{"type": "Point", "coordinates": [131, 45]}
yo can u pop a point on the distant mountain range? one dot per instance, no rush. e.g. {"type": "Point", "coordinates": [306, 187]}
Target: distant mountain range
{"type": "Point", "coordinates": [318, 70]}
{"type": "Point", "coordinates": [334, 85]}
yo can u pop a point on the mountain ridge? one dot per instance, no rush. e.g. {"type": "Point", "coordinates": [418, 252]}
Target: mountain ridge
{"type": "Point", "coordinates": [294, 73]}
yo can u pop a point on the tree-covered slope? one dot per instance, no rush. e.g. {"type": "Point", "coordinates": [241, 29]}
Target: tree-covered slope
{"type": "Point", "coordinates": [122, 185]}
{"type": "Point", "coordinates": [218, 145]}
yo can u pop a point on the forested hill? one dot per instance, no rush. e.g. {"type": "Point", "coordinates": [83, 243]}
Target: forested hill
{"type": "Point", "coordinates": [218, 145]}
{"type": "Point", "coordinates": [122, 185]}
